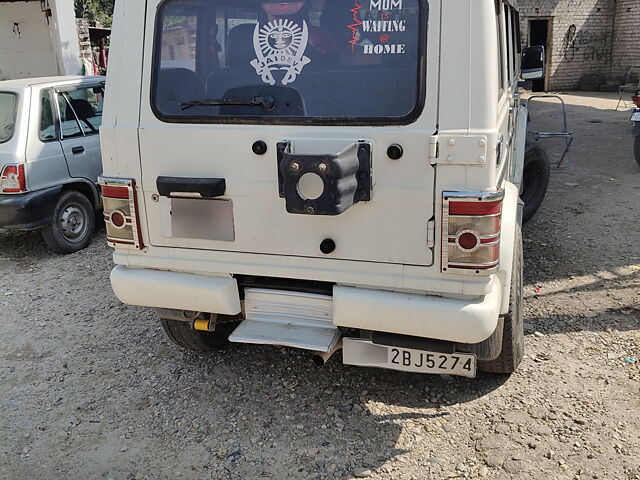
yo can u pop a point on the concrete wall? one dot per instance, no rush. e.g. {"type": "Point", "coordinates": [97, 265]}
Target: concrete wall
{"type": "Point", "coordinates": [64, 35]}
{"type": "Point", "coordinates": [26, 49]}
{"type": "Point", "coordinates": [32, 47]}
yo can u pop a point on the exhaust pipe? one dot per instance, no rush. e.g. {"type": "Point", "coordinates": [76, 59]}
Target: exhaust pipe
{"type": "Point", "coordinates": [320, 358]}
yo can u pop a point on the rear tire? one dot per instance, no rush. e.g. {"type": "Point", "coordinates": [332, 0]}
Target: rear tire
{"type": "Point", "coordinates": [72, 223]}
{"type": "Point", "coordinates": [636, 149]}
{"type": "Point", "coordinates": [513, 329]}
{"type": "Point", "coordinates": [535, 180]}
{"type": "Point", "coordinates": [185, 336]}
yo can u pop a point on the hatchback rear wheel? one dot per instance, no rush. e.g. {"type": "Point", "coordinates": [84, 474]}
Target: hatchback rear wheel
{"type": "Point", "coordinates": [72, 223]}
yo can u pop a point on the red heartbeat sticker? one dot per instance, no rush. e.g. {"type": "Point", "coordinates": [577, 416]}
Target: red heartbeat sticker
{"type": "Point", "coordinates": [354, 26]}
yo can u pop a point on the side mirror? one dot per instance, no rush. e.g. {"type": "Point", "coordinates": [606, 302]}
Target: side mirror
{"type": "Point", "coordinates": [533, 63]}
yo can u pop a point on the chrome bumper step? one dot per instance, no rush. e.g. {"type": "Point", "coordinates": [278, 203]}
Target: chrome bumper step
{"type": "Point", "coordinates": [291, 319]}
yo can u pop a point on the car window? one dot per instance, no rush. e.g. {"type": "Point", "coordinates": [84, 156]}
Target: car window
{"type": "Point", "coordinates": [47, 123]}
{"type": "Point", "coordinates": [87, 105]}
{"type": "Point", "coordinates": [69, 126]}
{"type": "Point", "coordinates": [328, 59]}
{"type": "Point", "coordinates": [8, 106]}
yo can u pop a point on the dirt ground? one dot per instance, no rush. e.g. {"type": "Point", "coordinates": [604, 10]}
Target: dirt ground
{"type": "Point", "coordinates": [92, 389]}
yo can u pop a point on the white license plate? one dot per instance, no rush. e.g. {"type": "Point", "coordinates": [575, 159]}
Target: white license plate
{"type": "Point", "coordinates": [432, 362]}
{"type": "Point", "coordinates": [635, 116]}
{"type": "Point", "coordinates": [365, 353]}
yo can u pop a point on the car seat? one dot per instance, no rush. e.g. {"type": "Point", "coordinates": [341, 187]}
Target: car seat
{"type": "Point", "coordinates": [83, 110]}
{"type": "Point", "coordinates": [239, 52]}
{"type": "Point", "coordinates": [175, 86]}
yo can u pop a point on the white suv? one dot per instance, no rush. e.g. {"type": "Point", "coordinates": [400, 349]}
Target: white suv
{"type": "Point", "coordinates": [321, 175]}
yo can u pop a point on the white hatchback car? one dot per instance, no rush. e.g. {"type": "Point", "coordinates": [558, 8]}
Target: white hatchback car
{"type": "Point", "coordinates": [50, 157]}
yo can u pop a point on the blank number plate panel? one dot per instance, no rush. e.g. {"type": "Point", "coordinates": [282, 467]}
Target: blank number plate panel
{"type": "Point", "coordinates": [200, 219]}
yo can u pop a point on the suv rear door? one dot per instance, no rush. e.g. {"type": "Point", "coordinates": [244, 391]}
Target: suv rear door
{"type": "Point", "coordinates": [349, 75]}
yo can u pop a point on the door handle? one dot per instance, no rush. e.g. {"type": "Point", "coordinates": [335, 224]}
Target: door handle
{"type": "Point", "coordinates": [77, 150]}
{"type": "Point", "coordinates": [205, 187]}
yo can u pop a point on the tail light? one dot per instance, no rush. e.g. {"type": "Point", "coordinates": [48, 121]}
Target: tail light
{"type": "Point", "coordinates": [121, 215]}
{"type": "Point", "coordinates": [471, 231]}
{"type": "Point", "coordinates": [636, 100]}
{"type": "Point", "coordinates": [13, 179]}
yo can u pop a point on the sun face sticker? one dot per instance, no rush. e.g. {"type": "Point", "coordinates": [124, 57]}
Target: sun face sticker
{"type": "Point", "coordinates": [280, 45]}
{"type": "Point", "coordinates": [280, 40]}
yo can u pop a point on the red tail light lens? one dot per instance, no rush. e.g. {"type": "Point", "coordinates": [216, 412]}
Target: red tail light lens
{"type": "Point", "coordinates": [475, 208]}
{"type": "Point", "coordinates": [121, 216]}
{"type": "Point", "coordinates": [13, 179]}
{"type": "Point", "coordinates": [467, 240]}
{"type": "Point", "coordinates": [471, 231]}
{"type": "Point", "coordinates": [111, 191]}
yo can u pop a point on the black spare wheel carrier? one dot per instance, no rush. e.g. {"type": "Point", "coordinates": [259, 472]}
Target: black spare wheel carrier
{"type": "Point", "coordinates": [346, 178]}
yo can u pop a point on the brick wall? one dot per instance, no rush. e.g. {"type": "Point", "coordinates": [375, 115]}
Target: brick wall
{"type": "Point", "coordinates": [626, 44]}
{"type": "Point", "coordinates": [581, 38]}
{"type": "Point", "coordinates": [86, 55]}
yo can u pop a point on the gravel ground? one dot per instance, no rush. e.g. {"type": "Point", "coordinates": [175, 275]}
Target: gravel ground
{"type": "Point", "coordinates": [91, 389]}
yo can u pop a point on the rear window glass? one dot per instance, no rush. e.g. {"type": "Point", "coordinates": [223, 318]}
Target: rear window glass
{"type": "Point", "coordinates": [314, 59]}
{"type": "Point", "coordinates": [8, 108]}
{"type": "Point", "coordinates": [69, 125]}
{"type": "Point", "coordinates": [87, 105]}
{"type": "Point", "coordinates": [47, 130]}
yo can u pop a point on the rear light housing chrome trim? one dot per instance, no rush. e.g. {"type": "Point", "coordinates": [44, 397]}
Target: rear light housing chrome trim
{"type": "Point", "coordinates": [119, 198]}
{"type": "Point", "coordinates": [471, 213]}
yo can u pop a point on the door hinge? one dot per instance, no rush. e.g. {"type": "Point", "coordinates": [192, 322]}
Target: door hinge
{"type": "Point", "coordinates": [433, 150]}
{"type": "Point", "coordinates": [431, 233]}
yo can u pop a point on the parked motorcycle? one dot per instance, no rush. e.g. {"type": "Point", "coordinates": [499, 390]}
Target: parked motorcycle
{"type": "Point", "coordinates": [635, 122]}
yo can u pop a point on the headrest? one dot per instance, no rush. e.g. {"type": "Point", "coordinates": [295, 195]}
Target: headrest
{"type": "Point", "coordinates": [240, 49]}
{"type": "Point", "coordinates": [82, 108]}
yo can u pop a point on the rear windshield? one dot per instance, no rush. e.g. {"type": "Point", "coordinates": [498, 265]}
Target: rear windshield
{"type": "Point", "coordinates": [223, 60]}
{"type": "Point", "coordinates": [8, 104]}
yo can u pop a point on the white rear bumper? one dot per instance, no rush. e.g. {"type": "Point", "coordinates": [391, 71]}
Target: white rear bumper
{"type": "Point", "coordinates": [180, 291]}
{"type": "Point", "coordinates": [456, 320]}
